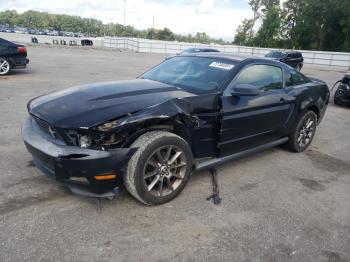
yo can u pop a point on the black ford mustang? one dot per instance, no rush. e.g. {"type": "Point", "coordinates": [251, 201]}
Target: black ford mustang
{"type": "Point", "coordinates": [191, 112]}
{"type": "Point", "coordinates": [12, 56]}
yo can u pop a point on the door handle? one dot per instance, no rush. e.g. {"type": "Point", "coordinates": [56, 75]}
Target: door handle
{"type": "Point", "coordinates": [282, 101]}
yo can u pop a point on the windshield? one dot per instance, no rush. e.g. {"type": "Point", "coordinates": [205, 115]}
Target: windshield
{"type": "Point", "coordinates": [275, 54]}
{"type": "Point", "coordinates": [194, 73]}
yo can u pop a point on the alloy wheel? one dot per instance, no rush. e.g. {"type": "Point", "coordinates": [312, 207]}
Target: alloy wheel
{"type": "Point", "coordinates": [306, 132]}
{"type": "Point", "coordinates": [4, 66]}
{"type": "Point", "coordinates": [164, 170]}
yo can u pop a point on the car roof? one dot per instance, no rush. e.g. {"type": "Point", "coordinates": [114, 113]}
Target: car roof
{"type": "Point", "coordinates": [286, 51]}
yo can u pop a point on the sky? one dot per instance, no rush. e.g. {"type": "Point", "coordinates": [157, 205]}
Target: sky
{"type": "Point", "coordinates": [218, 18]}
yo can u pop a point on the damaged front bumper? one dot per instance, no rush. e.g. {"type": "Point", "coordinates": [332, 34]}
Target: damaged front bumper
{"type": "Point", "coordinates": [342, 97]}
{"type": "Point", "coordinates": [73, 165]}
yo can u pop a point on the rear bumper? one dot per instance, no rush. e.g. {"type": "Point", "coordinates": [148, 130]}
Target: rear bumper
{"type": "Point", "coordinates": [66, 163]}
{"type": "Point", "coordinates": [19, 62]}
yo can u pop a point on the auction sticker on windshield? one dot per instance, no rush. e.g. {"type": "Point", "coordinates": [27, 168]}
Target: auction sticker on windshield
{"type": "Point", "coordinates": [221, 65]}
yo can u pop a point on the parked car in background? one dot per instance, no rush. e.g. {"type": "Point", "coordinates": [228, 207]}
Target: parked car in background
{"type": "Point", "coordinates": [12, 56]}
{"type": "Point", "coordinates": [52, 32]}
{"type": "Point", "coordinates": [86, 42]}
{"type": "Point", "coordinates": [20, 30]}
{"type": "Point", "coordinates": [342, 94]}
{"type": "Point", "coordinates": [192, 112]}
{"type": "Point", "coordinates": [10, 30]}
{"type": "Point", "coordinates": [292, 58]}
{"type": "Point", "coordinates": [198, 50]}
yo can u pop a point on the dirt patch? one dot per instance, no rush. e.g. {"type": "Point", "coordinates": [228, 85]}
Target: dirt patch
{"type": "Point", "coordinates": [333, 257]}
{"type": "Point", "coordinates": [329, 163]}
{"type": "Point", "coordinates": [23, 202]}
{"type": "Point", "coordinates": [39, 180]}
{"type": "Point", "coordinates": [248, 187]}
{"type": "Point", "coordinates": [312, 184]}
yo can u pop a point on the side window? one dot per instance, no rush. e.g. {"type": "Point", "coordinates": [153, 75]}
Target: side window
{"type": "Point", "coordinates": [264, 77]}
{"type": "Point", "coordinates": [295, 78]}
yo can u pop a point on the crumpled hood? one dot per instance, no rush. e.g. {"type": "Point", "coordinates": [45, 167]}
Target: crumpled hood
{"type": "Point", "coordinates": [90, 105]}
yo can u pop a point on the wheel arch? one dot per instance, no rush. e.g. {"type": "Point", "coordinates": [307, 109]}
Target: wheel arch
{"type": "Point", "coordinates": [315, 109]}
{"type": "Point", "coordinates": [175, 127]}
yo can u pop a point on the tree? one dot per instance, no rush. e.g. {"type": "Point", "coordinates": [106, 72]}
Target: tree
{"type": "Point", "coordinates": [256, 6]}
{"type": "Point", "coordinates": [292, 10]}
{"type": "Point", "coordinates": [269, 34]}
{"type": "Point", "coordinates": [166, 34]}
{"type": "Point", "coordinates": [267, 4]}
{"type": "Point", "coordinates": [201, 38]}
{"type": "Point", "coordinates": [322, 25]}
{"type": "Point", "coordinates": [243, 35]}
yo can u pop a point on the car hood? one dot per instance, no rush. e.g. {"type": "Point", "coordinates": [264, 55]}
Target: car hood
{"type": "Point", "coordinates": [90, 105]}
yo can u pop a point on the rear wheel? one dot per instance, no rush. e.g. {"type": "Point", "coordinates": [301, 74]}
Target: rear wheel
{"type": "Point", "coordinates": [160, 168]}
{"type": "Point", "coordinates": [303, 133]}
{"type": "Point", "coordinates": [5, 66]}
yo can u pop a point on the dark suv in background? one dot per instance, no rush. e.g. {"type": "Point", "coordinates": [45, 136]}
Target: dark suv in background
{"type": "Point", "coordinates": [292, 58]}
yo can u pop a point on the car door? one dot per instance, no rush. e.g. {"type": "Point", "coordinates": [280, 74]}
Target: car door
{"type": "Point", "coordinates": [250, 120]}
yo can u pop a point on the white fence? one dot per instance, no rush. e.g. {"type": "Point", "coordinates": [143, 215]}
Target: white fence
{"type": "Point", "coordinates": [167, 47]}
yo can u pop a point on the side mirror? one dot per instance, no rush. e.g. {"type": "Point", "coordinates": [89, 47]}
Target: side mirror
{"type": "Point", "coordinates": [245, 90]}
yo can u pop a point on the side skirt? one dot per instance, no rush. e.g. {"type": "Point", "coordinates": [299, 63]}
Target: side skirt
{"type": "Point", "coordinates": [213, 163]}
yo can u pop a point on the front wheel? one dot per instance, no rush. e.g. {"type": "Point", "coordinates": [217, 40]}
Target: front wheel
{"type": "Point", "coordinates": [159, 169]}
{"type": "Point", "coordinates": [303, 133]}
{"type": "Point", "coordinates": [5, 66]}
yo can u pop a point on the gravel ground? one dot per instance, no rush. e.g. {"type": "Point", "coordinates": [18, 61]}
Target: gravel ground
{"type": "Point", "coordinates": [277, 205]}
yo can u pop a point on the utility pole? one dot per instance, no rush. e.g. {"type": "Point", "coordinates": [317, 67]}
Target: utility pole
{"type": "Point", "coordinates": [153, 29]}
{"type": "Point", "coordinates": [124, 11]}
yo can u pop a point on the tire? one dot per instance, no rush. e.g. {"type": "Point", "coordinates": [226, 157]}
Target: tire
{"type": "Point", "coordinates": [303, 133]}
{"type": "Point", "coordinates": [5, 66]}
{"type": "Point", "coordinates": [160, 168]}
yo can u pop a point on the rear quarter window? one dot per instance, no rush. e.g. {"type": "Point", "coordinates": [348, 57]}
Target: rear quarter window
{"type": "Point", "coordinates": [295, 78]}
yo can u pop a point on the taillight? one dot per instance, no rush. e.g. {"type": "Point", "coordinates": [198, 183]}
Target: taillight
{"type": "Point", "coordinates": [22, 50]}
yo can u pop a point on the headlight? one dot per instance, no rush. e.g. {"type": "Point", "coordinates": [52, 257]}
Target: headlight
{"type": "Point", "coordinates": [84, 141]}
